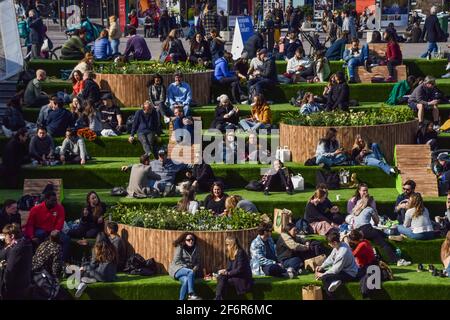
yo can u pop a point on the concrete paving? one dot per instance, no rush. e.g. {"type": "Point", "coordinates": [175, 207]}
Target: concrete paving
{"type": "Point", "coordinates": [410, 50]}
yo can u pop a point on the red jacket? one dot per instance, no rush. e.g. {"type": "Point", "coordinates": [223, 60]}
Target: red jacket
{"type": "Point", "coordinates": [364, 254]}
{"type": "Point", "coordinates": [42, 218]}
{"type": "Point", "coordinates": [134, 21]}
{"type": "Point", "coordinates": [393, 51]}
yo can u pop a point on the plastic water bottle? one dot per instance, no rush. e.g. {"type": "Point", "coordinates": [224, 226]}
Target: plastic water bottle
{"type": "Point", "coordinates": [398, 252]}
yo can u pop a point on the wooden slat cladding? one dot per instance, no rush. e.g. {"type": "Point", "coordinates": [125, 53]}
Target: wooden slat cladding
{"type": "Point", "coordinates": [36, 186]}
{"type": "Point", "coordinates": [131, 89]}
{"type": "Point", "coordinates": [364, 76]}
{"type": "Point", "coordinates": [303, 140]}
{"type": "Point", "coordinates": [414, 163]}
{"type": "Point", "coordinates": [158, 244]}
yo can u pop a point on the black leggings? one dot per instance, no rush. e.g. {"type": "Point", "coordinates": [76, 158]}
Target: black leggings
{"type": "Point", "coordinates": [391, 64]}
{"type": "Point", "coordinates": [379, 238]}
{"type": "Point", "coordinates": [223, 283]}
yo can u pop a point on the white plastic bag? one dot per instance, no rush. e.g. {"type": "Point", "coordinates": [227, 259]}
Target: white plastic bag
{"type": "Point", "coordinates": [283, 154]}
{"type": "Point", "coordinates": [298, 182]}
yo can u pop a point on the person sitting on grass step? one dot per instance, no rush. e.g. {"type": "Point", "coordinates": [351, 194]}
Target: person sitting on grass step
{"type": "Point", "coordinates": [73, 149]}
{"type": "Point", "coordinates": [264, 260]}
{"type": "Point", "coordinates": [401, 204]}
{"type": "Point", "coordinates": [278, 178]}
{"type": "Point", "coordinates": [355, 57]}
{"type": "Point", "coordinates": [320, 222]}
{"type": "Point", "coordinates": [92, 220]}
{"type": "Point", "coordinates": [425, 97]}
{"type": "Point", "coordinates": [112, 229]}
{"type": "Point", "coordinates": [338, 267]}
{"type": "Point", "coordinates": [328, 151]}
{"type": "Point", "coordinates": [445, 254]}
{"type": "Point", "coordinates": [417, 223]}
{"type": "Point", "coordinates": [42, 149]}
{"type": "Point", "coordinates": [186, 264]}
{"type": "Point", "coordinates": [238, 273]}
{"type": "Point", "coordinates": [140, 177]}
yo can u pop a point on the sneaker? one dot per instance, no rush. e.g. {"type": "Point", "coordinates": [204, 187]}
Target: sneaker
{"type": "Point", "coordinates": [420, 267]}
{"type": "Point", "coordinates": [403, 263]}
{"type": "Point", "coordinates": [436, 127]}
{"type": "Point", "coordinates": [81, 287]}
{"type": "Point", "coordinates": [291, 273]}
{"type": "Point", "coordinates": [166, 119]}
{"type": "Point", "coordinates": [396, 238]}
{"type": "Point", "coordinates": [437, 219]}
{"type": "Point", "coordinates": [88, 280]}
{"type": "Point", "coordinates": [431, 268]}
{"type": "Point", "coordinates": [193, 296]}
{"type": "Point", "coordinates": [266, 192]}
{"type": "Point", "coordinates": [289, 192]}
{"type": "Point", "coordinates": [334, 285]}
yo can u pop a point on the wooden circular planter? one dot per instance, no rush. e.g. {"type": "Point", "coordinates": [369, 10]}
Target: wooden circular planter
{"type": "Point", "coordinates": [130, 90]}
{"type": "Point", "coordinates": [158, 244]}
{"type": "Point", "coordinates": [303, 140]}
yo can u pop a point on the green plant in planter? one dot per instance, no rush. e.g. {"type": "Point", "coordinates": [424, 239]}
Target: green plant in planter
{"type": "Point", "coordinates": [148, 67]}
{"type": "Point", "coordinates": [382, 115]}
{"type": "Point", "coordinates": [171, 219]}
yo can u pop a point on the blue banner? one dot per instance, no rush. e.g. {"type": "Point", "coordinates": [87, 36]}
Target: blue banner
{"type": "Point", "coordinates": [246, 27]}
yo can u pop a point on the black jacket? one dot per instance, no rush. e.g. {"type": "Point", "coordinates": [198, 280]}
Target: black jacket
{"type": "Point", "coordinates": [145, 123]}
{"type": "Point", "coordinates": [14, 154]}
{"type": "Point", "coordinates": [432, 31]}
{"type": "Point", "coordinates": [157, 94]}
{"type": "Point", "coordinates": [89, 221]}
{"type": "Point", "coordinates": [338, 98]}
{"type": "Point", "coordinates": [269, 70]}
{"type": "Point", "coordinates": [91, 91]}
{"type": "Point", "coordinates": [16, 276]}
{"type": "Point", "coordinates": [219, 119]}
{"type": "Point", "coordinates": [200, 50]}
{"type": "Point", "coordinates": [8, 219]}
{"type": "Point", "coordinates": [239, 269]}
{"type": "Point", "coordinates": [314, 214]}
{"type": "Point", "coordinates": [36, 30]}
{"type": "Point", "coordinates": [176, 47]}
{"type": "Point", "coordinates": [253, 44]}
{"type": "Point", "coordinates": [204, 175]}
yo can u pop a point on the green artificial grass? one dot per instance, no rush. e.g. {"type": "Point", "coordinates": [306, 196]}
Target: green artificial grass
{"type": "Point", "coordinates": [105, 173]}
{"type": "Point", "coordinates": [407, 285]}
{"type": "Point", "coordinates": [415, 67]}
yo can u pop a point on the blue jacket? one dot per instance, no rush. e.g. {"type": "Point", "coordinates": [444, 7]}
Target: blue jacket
{"type": "Point", "coordinates": [58, 121]}
{"type": "Point", "coordinates": [181, 94]}
{"type": "Point", "coordinates": [221, 69]}
{"type": "Point", "coordinates": [258, 254]}
{"type": "Point", "coordinates": [102, 49]}
{"type": "Point", "coordinates": [145, 123]}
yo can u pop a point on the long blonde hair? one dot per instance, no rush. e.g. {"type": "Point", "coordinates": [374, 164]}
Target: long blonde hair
{"type": "Point", "coordinates": [231, 202]}
{"type": "Point", "coordinates": [361, 205]}
{"type": "Point", "coordinates": [356, 144]}
{"type": "Point", "coordinates": [170, 37]}
{"type": "Point", "coordinates": [416, 202]}
{"type": "Point", "coordinates": [445, 248]}
{"type": "Point", "coordinates": [232, 247]}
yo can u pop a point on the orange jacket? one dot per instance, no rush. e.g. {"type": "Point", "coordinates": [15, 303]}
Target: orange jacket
{"type": "Point", "coordinates": [263, 114]}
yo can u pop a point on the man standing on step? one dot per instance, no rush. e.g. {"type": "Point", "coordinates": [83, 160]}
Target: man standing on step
{"type": "Point", "coordinates": [432, 32]}
{"type": "Point", "coordinates": [34, 96]}
{"type": "Point", "coordinates": [425, 97]}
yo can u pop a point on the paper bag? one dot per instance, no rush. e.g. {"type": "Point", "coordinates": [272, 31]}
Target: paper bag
{"type": "Point", "coordinates": [281, 217]}
{"type": "Point", "coordinates": [312, 293]}
{"type": "Point", "coordinates": [312, 263]}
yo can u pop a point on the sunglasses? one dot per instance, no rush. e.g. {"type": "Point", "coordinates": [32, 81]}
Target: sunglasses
{"type": "Point", "coordinates": [406, 189]}
{"type": "Point", "coordinates": [190, 239]}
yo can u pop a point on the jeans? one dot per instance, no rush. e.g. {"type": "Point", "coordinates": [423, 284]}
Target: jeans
{"type": "Point", "coordinates": [379, 238]}
{"type": "Point", "coordinates": [357, 61]}
{"type": "Point", "coordinates": [416, 236]}
{"type": "Point", "coordinates": [65, 240]}
{"type": "Point", "coordinates": [432, 47]}
{"type": "Point", "coordinates": [330, 161]}
{"type": "Point", "coordinates": [186, 277]}
{"type": "Point", "coordinates": [148, 142]}
{"type": "Point", "coordinates": [249, 125]}
{"type": "Point", "coordinates": [233, 82]}
{"type": "Point", "coordinates": [448, 270]}
{"type": "Point", "coordinates": [371, 160]}
{"type": "Point", "coordinates": [391, 64]}
{"type": "Point", "coordinates": [260, 84]}
{"type": "Point", "coordinates": [327, 279]}
{"type": "Point", "coordinates": [295, 263]}
{"type": "Point", "coordinates": [36, 50]}
{"type": "Point", "coordinates": [115, 46]}
{"type": "Point", "coordinates": [274, 270]}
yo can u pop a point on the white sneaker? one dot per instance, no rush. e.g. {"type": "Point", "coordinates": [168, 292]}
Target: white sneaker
{"type": "Point", "coordinates": [88, 280]}
{"type": "Point", "coordinates": [291, 273]}
{"type": "Point", "coordinates": [436, 127]}
{"type": "Point", "coordinates": [193, 296]}
{"type": "Point", "coordinates": [334, 285]}
{"type": "Point", "coordinates": [166, 119]}
{"type": "Point", "coordinates": [81, 287]}
{"type": "Point", "coordinates": [403, 263]}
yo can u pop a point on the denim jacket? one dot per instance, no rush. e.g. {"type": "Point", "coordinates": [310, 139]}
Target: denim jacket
{"type": "Point", "coordinates": [258, 255]}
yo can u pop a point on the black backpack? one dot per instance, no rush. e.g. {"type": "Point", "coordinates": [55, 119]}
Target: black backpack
{"type": "Point", "coordinates": [129, 123]}
{"type": "Point", "coordinates": [45, 286]}
{"type": "Point", "coordinates": [136, 264]}
{"type": "Point", "coordinates": [28, 201]}
{"type": "Point", "coordinates": [303, 227]}
{"type": "Point", "coordinates": [330, 178]}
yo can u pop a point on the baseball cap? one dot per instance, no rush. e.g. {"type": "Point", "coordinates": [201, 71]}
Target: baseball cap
{"type": "Point", "coordinates": [443, 156]}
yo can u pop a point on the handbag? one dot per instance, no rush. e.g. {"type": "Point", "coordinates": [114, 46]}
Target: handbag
{"type": "Point", "coordinates": [281, 217]}
{"type": "Point", "coordinates": [298, 182]}
{"type": "Point", "coordinates": [283, 154]}
{"type": "Point", "coordinates": [312, 292]}
{"type": "Point", "coordinates": [344, 177]}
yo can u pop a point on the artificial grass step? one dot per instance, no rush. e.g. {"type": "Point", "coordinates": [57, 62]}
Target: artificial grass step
{"type": "Point", "coordinates": [104, 172]}
{"type": "Point", "coordinates": [407, 285]}
{"type": "Point", "coordinates": [75, 200]}
{"type": "Point", "coordinates": [417, 67]}
{"type": "Point", "coordinates": [379, 92]}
